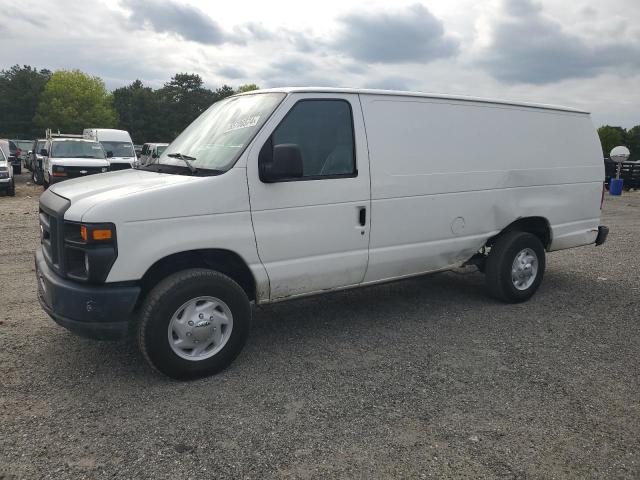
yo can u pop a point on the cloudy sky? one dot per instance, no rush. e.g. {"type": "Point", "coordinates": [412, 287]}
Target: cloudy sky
{"type": "Point", "coordinates": [581, 53]}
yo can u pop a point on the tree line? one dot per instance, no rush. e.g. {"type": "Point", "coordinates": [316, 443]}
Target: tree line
{"type": "Point", "coordinates": [613, 136]}
{"type": "Point", "coordinates": [32, 100]}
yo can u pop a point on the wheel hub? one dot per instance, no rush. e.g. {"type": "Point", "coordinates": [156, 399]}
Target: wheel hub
{"type": "Point", "coordinates": [200, 328]}
{"type": "Point", "coordinates": [524, 269]}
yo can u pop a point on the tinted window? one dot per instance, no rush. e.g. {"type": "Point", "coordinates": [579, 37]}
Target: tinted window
{"type": "Point", "coordinates": [323, 129]}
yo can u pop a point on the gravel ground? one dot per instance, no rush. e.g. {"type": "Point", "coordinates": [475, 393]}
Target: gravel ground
{"type": "Point", "coordinates": [421, 378]}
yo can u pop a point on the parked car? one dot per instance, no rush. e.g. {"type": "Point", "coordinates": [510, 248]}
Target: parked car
{"type": "Point", "coordinates": [71, 156]}
{"type": "Point", "coordinates": [14, 158]}
{"type": "Point", "coordinates": [117, 144]}
{"type": "Point", "coordinates": [4, 146]}
{"type": "Point", "coordinates": [7, 182]}
{"type": "Point", "coordinates": [22, 150]}
{"type": "Point", "coordinates": [35, 161]}
{"type": "Point", "coordinates": [151, 151]}
{"type": "Point", "coordinates": [283, 193]}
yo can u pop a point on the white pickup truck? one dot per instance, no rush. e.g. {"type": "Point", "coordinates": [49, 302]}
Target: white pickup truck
{"type": "Point", "coordinates": [282, 193]}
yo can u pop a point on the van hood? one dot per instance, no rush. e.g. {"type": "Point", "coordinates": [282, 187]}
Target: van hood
{"type": "Point", "coordinates": [106, 186]}
{"type": "Point", "coordinates": [129, 196]}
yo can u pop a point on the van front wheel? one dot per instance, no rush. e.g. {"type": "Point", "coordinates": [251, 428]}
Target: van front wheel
{"type": "Point", "coordinates": [194, 323]}
{"type": "Point", "coordinates": [515, 267]}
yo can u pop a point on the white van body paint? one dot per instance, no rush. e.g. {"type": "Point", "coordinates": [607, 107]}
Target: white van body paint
{"type": "Point", "coordinates": [112, 135]}
{"type": "Point", "coordinates": [438, 176]}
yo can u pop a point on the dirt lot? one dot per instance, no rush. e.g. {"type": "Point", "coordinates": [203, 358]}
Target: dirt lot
{"type": "Point", "coordinates": [421, 378]}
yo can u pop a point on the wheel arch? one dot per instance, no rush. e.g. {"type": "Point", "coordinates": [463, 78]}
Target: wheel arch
{"type": "Point", "coordinates": [538, 226]}
{"type": "Point", "coordinates": [224, 261]}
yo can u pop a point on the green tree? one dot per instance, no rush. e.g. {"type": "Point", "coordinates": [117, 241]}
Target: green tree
{"type": "Point", "coordinates": [72, 101]}
{"type": "Point", "coordinates": [247, 87]}
{"type": "Point", "coordinates": [611, 137]}
{"type": "Point", "coordinates": [20, 89]}
{"type": "Point", "coordinates": [633, 142]}
{"type": "Point", "coordinates": [223, 92]}
{"type": "Point", "coordinates": [138, 111]}
{"type": "Point", "coordinates": [181, 100]}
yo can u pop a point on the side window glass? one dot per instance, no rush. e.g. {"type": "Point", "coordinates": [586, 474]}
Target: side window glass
{"type": "Point", "coordinates": [323, 130]}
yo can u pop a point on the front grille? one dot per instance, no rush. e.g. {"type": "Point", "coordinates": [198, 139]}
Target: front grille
{"type": "Point", "coordinates": [52, 208]}
{"type": "Point", "coordinates": [50, 237]}
{"type": "Point", "coordinates": [73, 172]}
{"type": "Point", "coordinates": [48, 234]}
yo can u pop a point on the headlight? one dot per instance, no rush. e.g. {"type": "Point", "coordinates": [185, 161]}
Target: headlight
{"type": "Point", "coordinates": [4, 172]}
{"type": "Point", "coordinates": [89, 250]}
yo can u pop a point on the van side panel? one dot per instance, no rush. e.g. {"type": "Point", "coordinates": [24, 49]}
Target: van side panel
{"type": "Point", "coordinates": [446, 175]}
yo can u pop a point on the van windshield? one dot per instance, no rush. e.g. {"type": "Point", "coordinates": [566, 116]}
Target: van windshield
{"type": "Point", "coordinates": [118, 149]}
{"type": "Point", "coordinates": [215, 140]}
{"type": "Point", "coordinates": [76, 149]}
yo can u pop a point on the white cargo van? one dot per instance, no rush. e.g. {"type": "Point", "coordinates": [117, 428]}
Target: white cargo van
{"type": "Point", "coordinates": [67, 156]}
{"type": "Point", "coordinates": [281, 193]}
{"type": "Point", "coordinates": [116, 143]}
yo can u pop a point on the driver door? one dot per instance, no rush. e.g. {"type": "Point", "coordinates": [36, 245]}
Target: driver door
{"type": "Point", "coordinates": [312, 232]}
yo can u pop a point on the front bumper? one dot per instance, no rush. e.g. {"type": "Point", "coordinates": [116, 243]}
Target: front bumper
{"type": "Point", "coordinates": [603, 232]}
{"type": "Point", "coordinates": [95, 311]}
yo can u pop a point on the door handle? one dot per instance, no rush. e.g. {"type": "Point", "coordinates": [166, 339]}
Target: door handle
{"type": "Point", "coordinates": [362, 216]}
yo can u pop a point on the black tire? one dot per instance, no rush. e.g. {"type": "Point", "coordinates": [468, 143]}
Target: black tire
{"type": "Point", "coordinates": [11, 191]}
{"type": "Point", "coordinates": [500, 262]}
{"type": "Point", "coordinates": [36, 176]}
{"type": "Point", "coordinates": [166, 298]}
{"type": "Point", "coordinates": [17, 169]}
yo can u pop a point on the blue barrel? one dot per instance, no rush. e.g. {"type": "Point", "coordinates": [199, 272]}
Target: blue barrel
{"type": "Point", "coordinates": [615, 186]}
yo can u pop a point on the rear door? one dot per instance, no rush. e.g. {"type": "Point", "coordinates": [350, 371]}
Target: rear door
{"type": "Point", "coordinates": [312, 233]}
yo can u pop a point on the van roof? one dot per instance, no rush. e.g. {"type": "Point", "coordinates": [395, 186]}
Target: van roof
{"type": "Point", "coordinates": [107, 134]}
{"type": "Point", "coordinates": [399, 93]}
{"type": "Point", "coordinates": [71, 139]}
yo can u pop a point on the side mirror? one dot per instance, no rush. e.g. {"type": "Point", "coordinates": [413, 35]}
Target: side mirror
{"type": "Point", "coordinates": [29, 152]}
{"type": "Point", "coordinates": [109, 154]}
{"type": "Point", "coordinates": [154, 155]}
{"type": "Point", "coordinates": [286, 163]}
{"type": "Point", "coordinates": [43, 152]}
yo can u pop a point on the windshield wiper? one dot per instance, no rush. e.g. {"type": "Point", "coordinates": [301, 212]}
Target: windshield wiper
{"type": "Point", "coordinates": [186, 159]}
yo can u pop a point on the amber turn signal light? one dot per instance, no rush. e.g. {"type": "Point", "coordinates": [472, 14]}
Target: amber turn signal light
{"type": "Point", "coordinates": [98, 234]}
{"type": "Point", "coordinates": [101, 234]}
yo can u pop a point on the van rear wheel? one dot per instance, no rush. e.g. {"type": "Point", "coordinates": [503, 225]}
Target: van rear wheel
{"type": "Point", "coordinates": [515, 267]}
{"type": "Point", "coordinates": [194, 323]}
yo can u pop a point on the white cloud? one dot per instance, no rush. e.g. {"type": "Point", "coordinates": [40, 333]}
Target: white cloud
{"type": "Point", "coordinates": [580, 53]}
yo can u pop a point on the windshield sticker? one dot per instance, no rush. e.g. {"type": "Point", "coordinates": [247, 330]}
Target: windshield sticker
{"type": "Point", "coordinates": [244, 123]}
